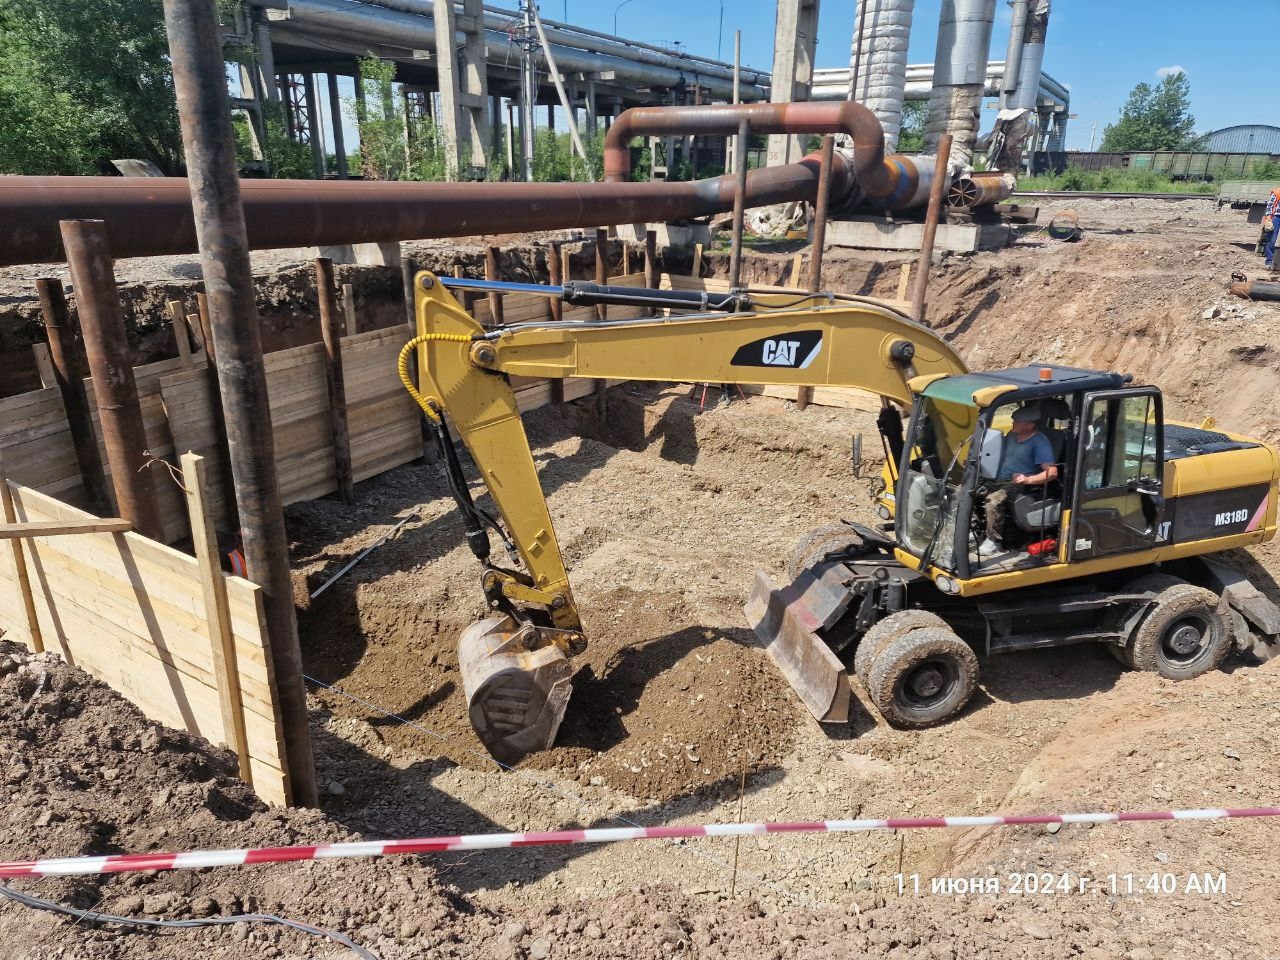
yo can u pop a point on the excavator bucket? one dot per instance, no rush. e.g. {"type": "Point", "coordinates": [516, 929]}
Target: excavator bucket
{"type": "Point", "coordinates": [788, 621]}
{"type": "Point", "coordinates": [516, 697]}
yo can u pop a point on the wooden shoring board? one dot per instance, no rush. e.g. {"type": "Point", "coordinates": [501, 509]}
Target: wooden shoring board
{"type": "Point", "coordinates": [131, 612]}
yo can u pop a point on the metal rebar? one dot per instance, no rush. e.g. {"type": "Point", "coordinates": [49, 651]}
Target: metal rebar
{"type": "Point", "coordinates": [68, 377]}
{"type": "Point", "coordinates": [106, 345]}
{"type": "Point", "coordinates": [739, 202]}
{"type": "Point", "coordinates": [936, 190]}
{"type": "Point", "coordinates": [203, 110]}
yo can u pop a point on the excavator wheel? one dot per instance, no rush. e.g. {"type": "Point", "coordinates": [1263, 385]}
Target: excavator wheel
{"type": "Point", "coordinates": [923, 677]}
{"type": "Point", "coordinates": [516, 697]}
{"type": "Point", "coordinates": [886, 631]}
{"type": "Point", "coordinates": [1187, 632]}
{"type": "Point", "coordinates": [816, 544]}
{"type": "Point", "coordinates": [1147, 583]}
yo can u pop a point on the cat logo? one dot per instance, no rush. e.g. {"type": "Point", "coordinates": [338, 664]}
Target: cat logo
{"type": "Point", "coordinates": [780, 353]}
{"type": "Point", "coordinates": [795, 351]}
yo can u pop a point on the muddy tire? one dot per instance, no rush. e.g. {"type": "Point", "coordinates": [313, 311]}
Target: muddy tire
{"type": "Point", "coordinates": [817, 543]}
{"type": "Point", "coordinates": [1186, 632]}
{"type": "Point", "coordinates": [1148, 582]}
{"type": "Point", "coordinates": [923, 677]}
{"type": "Point", "coordinates": [886, 631]}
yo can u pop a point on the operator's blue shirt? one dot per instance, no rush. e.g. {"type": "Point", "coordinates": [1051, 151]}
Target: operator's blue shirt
{"type": "Point", "coordinates": [1024, 456]}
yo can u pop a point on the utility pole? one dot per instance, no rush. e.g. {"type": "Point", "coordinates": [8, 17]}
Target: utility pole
{"type": "Point", "coordinates": [528, 90]}
{"type": "Point", "coordinates": [1093, 133]}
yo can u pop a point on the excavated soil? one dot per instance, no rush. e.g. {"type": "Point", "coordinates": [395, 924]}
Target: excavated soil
{"type": "Point", "coordinates": [665, 514]}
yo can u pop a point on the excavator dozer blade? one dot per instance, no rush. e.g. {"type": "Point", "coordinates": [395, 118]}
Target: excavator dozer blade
{"type": "Point", "coordinates": [516, 697]}
{"type": "Point", "coordinates": [787, 620]}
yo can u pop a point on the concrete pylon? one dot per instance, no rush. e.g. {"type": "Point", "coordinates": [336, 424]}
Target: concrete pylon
{"type": "Point", "coordinates": [464, 91]}
{"type": "Point", "coordinates": [795, 42]}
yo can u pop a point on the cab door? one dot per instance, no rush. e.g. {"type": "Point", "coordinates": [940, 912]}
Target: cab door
{"type": "Point", "coordinates": [1118, 504]}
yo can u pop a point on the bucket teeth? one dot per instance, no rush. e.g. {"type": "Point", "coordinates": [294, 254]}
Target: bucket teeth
{"type": "Point", "coordinates": [516, 697]}
{"type": "Point", "coordinates": [787, 620]}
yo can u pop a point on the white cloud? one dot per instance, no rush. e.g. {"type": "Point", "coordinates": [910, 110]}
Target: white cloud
{"type": "Point", "coordinates": [1170, 71]}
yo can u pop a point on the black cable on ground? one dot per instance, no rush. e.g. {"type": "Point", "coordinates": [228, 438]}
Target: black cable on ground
{"type": "Point", "coordinates": [92, 916]}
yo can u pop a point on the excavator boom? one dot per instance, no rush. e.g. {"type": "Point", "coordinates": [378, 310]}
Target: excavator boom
{"type": "Point", "coordinates": [515, 662]}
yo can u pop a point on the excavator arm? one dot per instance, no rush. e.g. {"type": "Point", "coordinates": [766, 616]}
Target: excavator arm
{"type": "Point", "coordinates": [514, 663]}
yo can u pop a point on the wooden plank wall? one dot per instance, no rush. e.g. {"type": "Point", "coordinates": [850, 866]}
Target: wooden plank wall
{"type": "Point", "coordinates": [382, 419]}
{"type": "Point", "coordinates": [130, 611]}
{"type": "Point", "coordinates": [36, 441]}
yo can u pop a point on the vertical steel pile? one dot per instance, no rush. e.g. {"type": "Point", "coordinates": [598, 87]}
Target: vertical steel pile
{"type": "Point", "coordinates": [204, 111]}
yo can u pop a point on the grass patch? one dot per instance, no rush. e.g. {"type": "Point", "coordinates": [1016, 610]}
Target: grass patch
{"type": "Point", "coordinates": [1114, 180]}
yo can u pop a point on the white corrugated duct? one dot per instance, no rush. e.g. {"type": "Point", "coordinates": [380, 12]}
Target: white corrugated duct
{"type": "Point", "coordinates": [1029, 69]}
{"type": "Point", "coordinates": [878, 66]}
{"type": "Point", "coordinates": [959, 76]}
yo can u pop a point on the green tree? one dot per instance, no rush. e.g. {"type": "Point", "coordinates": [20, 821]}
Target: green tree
{"type": "Point", "coordinates": [1154, 118]}
{"type": "Point", "coordinates": [911, 134]}
{"type": "Point", "coordinates": [83, 82]}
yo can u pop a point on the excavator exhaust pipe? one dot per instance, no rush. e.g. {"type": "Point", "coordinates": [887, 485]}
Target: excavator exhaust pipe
{"type": "Point", "coordinates": [516, 697]}
{"type": "Point", "coordinates": [787, 621]}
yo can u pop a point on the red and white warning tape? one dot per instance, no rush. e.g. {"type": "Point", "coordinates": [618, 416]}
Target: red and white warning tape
{"type": "Point", "coordinates": [198, 859]}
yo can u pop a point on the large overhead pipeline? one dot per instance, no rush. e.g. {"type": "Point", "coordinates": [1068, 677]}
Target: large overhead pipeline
{"type": "Point", "coordinates": [894, 181]}
{"type": "Point", "coordinates": [152, 216]}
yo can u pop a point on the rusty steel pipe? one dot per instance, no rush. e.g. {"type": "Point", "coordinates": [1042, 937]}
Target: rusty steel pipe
{"type": "Point", "coordinates": [75, 400]}
{"type": "Point", "coordinates": [980, 189]}
{"type": "Point", "coordinates": [1257, 290]}
{"type": "Point", "coordinates": [106, 346]}
{"type": "Point", "coordinates": [152, 216]}
{"type": "Point", "coordinates": [889, 181]}
{"type": "Point", "coordinates": [930, 229]}
{"type": "Point", "coordinates": [820, 213]}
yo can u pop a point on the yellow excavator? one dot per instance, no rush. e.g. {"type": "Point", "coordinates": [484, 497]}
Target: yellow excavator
{"type": "Point", "coordinates": [1108, 547]}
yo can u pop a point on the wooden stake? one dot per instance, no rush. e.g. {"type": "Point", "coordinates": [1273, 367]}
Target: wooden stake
{"type": "Point", "coordinates": [193, 323]}
{"type": "Point", "coordinates": [178, 320]}
{"type": "Point", "coordinates": [219, 415]}
{"type": "Point", "coordinates": [464, 298]}
{"type": "Point", "coordinates": [491, 255]}
{"type": "Point", "coordinates": [697, 260]}
{"type": "Point", "coordinates": [54, 528]}
{"type": "Point", "coordinates": [222, 645]}
{"type": "Point", "coordinates": [651, 262]}
{"type": "Point", "coordinates": [20, 566]}
{"type": "Point", "coordinates": [904, 281]}
{"type": "Point", "coordinates": [797, 266]}
{"type": "Point", "coordinates": [626, 259]}
{"type": "Point", "coordinates": [331, 333]}
{"type": "Point", "coordinates": [44, 365]}
{"type": "Point", "coordinates": [349, 309]}
{"type": "Point", "coordinates": [555, 276]}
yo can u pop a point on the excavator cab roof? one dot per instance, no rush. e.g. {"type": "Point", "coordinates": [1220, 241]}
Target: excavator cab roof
{"type": "Point", "coordinates": [1030, 382]}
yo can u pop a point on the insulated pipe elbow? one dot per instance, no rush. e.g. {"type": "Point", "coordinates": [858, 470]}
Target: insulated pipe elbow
{"type": "Point", "coordinates": [891, 181]}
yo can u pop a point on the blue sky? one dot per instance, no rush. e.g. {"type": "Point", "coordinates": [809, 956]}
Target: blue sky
{"type": "Point", "coordinates": [1101, 49]}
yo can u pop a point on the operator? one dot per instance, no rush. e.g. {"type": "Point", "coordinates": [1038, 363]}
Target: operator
{"type": "Point", "coordinates": [1025, 460]}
